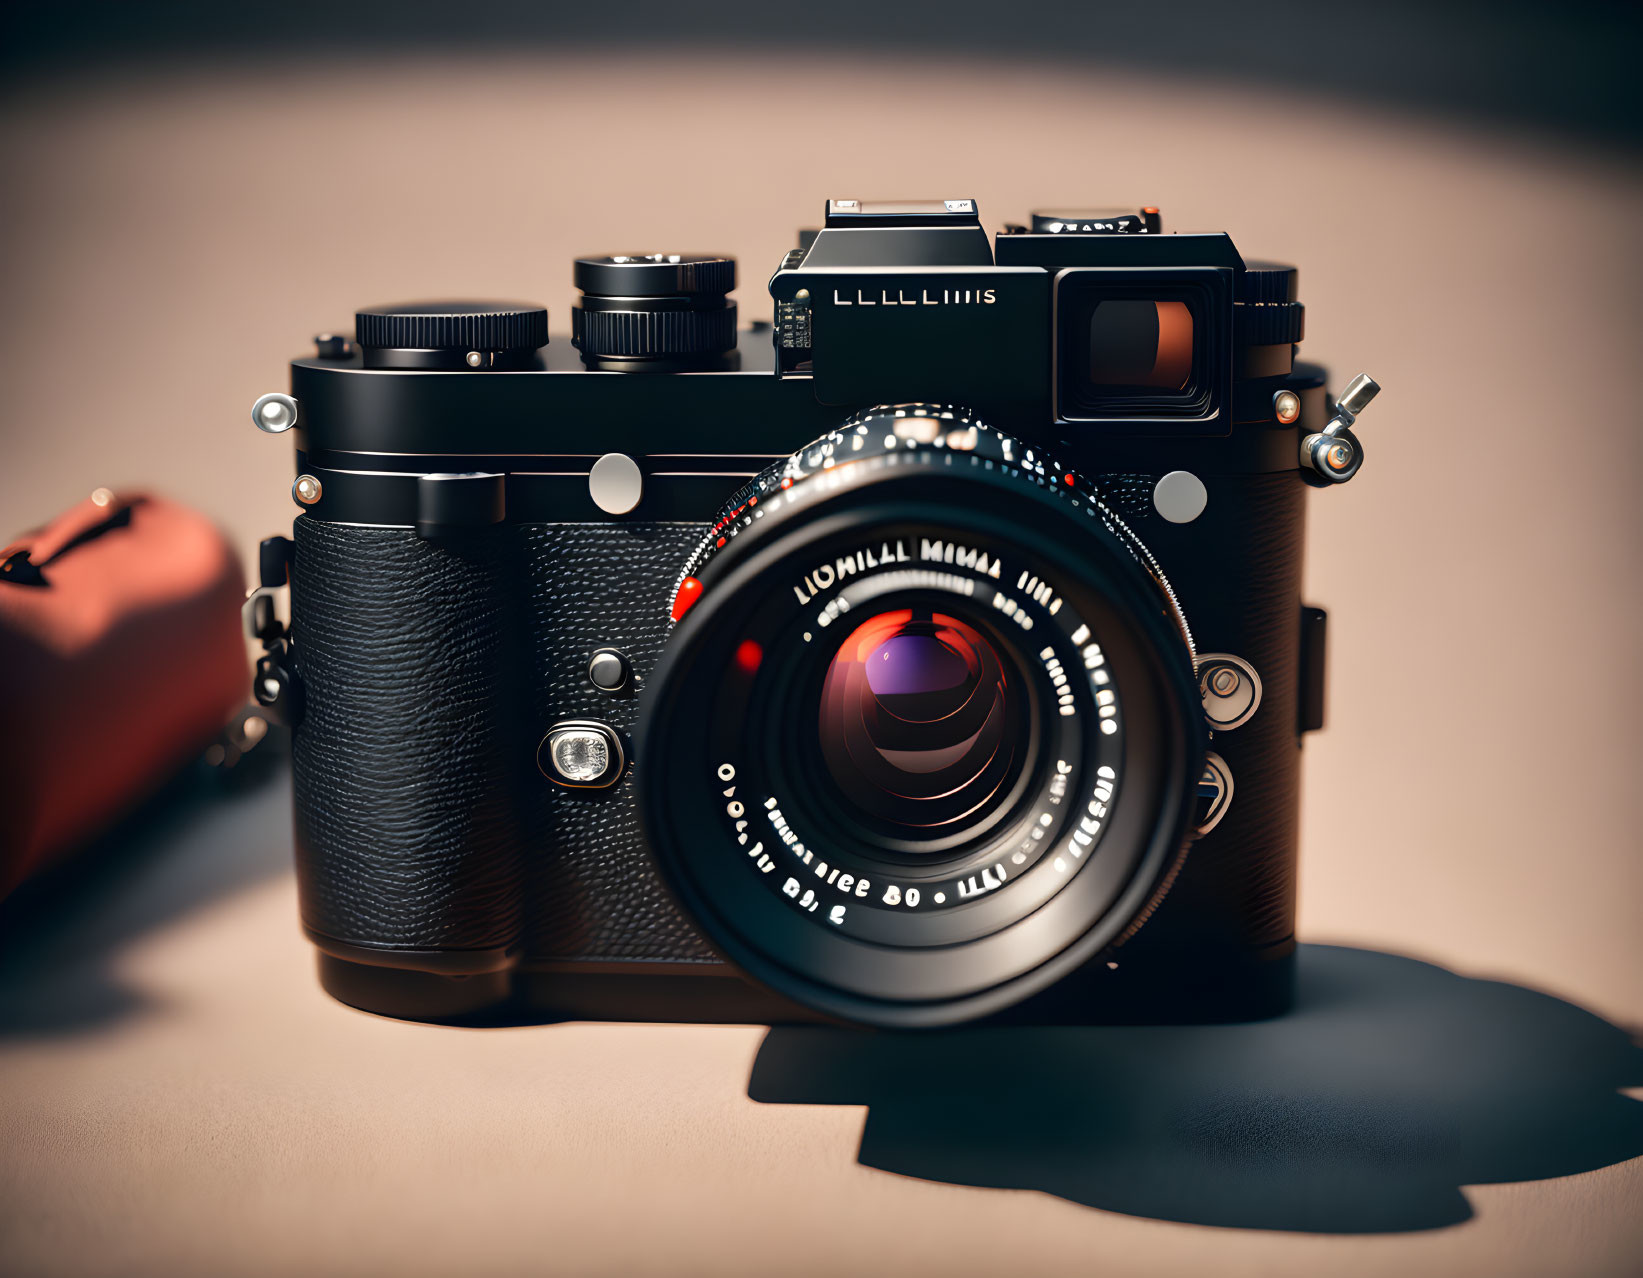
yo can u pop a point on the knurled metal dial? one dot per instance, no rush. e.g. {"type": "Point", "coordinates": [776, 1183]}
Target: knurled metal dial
{"type": "Point", "coordinates": [453, 326]}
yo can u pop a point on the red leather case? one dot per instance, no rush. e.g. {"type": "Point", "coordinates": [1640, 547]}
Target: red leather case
{"type": "Point", "coordinates": [121, 656]}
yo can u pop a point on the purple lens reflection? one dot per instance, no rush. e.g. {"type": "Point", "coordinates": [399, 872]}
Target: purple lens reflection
{"type": "Point", "coordinates": [918, 724]}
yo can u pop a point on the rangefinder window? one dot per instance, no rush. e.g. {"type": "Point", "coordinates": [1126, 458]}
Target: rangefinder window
{"type": "Point", "coordinates": [1137, 348]}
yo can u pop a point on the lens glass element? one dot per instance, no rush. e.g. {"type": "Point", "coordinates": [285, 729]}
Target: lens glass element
{"type": "Point", "coordinates": [920, 725]}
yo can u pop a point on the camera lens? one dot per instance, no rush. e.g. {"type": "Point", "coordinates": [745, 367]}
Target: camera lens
{"type": "Point", "coordinates": [928, 735]}
{"type": "Point", "coordinates": [919, 725]}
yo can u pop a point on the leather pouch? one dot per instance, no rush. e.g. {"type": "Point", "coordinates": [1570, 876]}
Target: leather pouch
{"type": "Point", "coordinates": [121, 657]}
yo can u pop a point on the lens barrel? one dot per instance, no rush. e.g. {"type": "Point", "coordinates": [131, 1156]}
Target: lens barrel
{"type": "Point", "coordinates": [925, 739]}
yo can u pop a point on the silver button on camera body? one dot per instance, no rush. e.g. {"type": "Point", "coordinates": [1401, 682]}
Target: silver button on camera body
{"type": "Point", "coordinates": [615, 483]}
{"type": "Point", "coordinates": [274, 413]}
{"type": "Point", "coordinates": [582, 754]}
{"type": "Point", "coordinates": [608, 671]}
{"type": "Point", "coordinates": [1180, 496]}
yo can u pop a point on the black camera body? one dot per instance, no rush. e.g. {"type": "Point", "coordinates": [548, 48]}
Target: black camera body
{"type": "Point", "coordinates": [935, 653]}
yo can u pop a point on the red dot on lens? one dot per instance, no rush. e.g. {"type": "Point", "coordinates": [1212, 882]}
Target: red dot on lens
{"type": "Point", "coordinates": [749, 655]}
{"type": "Point", "coordinates": [1069, 481]}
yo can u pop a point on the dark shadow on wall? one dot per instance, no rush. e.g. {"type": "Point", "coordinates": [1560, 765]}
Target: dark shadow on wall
{"type": "Point", "coordinates": [1393, 1084]}
{"type": "Point", "coordinates": [1514, 63]}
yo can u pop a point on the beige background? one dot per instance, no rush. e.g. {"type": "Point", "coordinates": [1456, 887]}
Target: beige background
{"type": "Point", "coordinates": [173, 237]}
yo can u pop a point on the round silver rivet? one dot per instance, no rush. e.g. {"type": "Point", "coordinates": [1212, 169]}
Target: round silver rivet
{"type": "Point", "coordinates": [1287, 405]}
{"type": "Point", "coordinates": [1180, 496]}
{"type": "Point", "coordinates": [101, 496]}
{"type": "Point", "coordinates": [803, 295]}
{"type": "Point", "coordinates": [615, 483]}
{"type": "Point", "coordinates": [475, 359]}
{"type": "Point", "coordinates": [306, 491]}
{"type": "Point", "coordinates": [274, 413]}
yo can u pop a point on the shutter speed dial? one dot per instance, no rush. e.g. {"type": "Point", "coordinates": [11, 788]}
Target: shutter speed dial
{"type": "Point", "coordinates": [654, 312]}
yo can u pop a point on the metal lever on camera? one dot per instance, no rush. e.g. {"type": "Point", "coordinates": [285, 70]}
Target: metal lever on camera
{"type": "Point", "coordinates": [275, 685]}
{"type": "Point", "coordinates": [1334, 453]}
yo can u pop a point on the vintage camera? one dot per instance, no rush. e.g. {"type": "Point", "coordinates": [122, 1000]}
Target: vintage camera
{"type": "Point", "coordinates": [933, 653]}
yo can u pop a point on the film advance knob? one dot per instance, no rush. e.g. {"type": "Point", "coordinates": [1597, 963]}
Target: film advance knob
{"type": "Point", "coordinates": [482, 336]}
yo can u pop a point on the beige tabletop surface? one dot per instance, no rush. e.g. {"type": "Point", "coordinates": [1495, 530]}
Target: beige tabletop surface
{"type": "Point", "coordinates": [1457, 1092]}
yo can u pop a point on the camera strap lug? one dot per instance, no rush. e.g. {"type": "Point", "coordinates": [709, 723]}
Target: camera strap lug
{"type": "Point", "coordinates": [261, 613]}
{"type": "Point", "coordinates": [275, 685]}
{"type": "Point", "coordinates": [1334, 453]}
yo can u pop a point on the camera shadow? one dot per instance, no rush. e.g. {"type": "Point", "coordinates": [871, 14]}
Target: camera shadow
{"type": "Point", "coordinates": [205, 834]}
{"type": "Point", "coordinates": [1391, 1085]}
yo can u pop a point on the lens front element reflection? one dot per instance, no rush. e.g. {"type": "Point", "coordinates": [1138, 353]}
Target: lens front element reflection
{"type": "Point", "coordinates": [918, 724]}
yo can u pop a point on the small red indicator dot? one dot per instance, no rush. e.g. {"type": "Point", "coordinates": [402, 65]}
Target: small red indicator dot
{"type": "Point", "coordinates": [690, 590]}
{"type": "Point", "coordinates": [1069, 481]}
{"type": "Point", "coordinates": [787, 483]}
{"type": "Point", "coordinates": [748, 655]}
{"type": "Point", "coordinates": [752, 501]}
{"type": "Point", "coordinates": [720, 542]}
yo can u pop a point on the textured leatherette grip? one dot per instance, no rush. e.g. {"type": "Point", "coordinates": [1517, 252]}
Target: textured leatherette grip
{"type": "Point", "coordinates": [407, 761]}
{"type": "Point", "coordinates": [593, 894]}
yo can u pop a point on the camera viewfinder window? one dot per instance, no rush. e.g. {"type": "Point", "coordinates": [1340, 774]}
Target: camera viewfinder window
{"type": "Point", "coordinates": [1141, 345]}
{"type": "Point", "coordinates": [1129, 348]}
